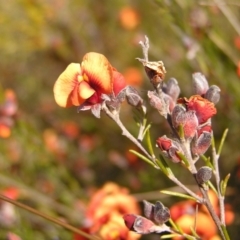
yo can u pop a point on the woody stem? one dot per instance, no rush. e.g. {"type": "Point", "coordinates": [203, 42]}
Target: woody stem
{"type": "Point", "coordinates": [115, 117]}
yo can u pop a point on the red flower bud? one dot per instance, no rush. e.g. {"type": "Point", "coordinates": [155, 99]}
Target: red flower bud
{"type": "Point", "coordinates": [138, 224]}
{"type": "Point", "coordinates": [169, 148]}
{"type": "Point", "coordinates": [188, 120]}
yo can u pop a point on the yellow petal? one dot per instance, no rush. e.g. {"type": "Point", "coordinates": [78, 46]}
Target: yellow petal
{"type": "Point", "coordinates": [85, 91]}
{"type": "Point", "coordinates": [65, 84]}
{"type": "Point", "coordinates": [81, 92]}
{"type": "Point", "coordinates": [99, 72]}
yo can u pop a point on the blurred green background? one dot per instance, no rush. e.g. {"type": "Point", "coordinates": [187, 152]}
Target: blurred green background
{"type": "Point", "coordinates": [56, 155]}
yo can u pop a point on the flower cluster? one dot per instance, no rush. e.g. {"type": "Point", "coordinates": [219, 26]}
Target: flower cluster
{"type": "Point", "coordinates": [191, 121]}
{"type": "Point", "coordinates": [104, 213]}
{"type": "Point", "coordinates": [95, 84]}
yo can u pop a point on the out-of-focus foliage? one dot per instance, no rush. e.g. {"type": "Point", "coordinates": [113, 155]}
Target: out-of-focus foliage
{"type": "Point", "coordinates": [56, 156]}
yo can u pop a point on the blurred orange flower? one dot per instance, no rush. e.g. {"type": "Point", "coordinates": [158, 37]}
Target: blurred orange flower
{"type": "Point", "coordinates": [85, 82]}
{"type": "Point", "coordinates": [133, 76]}
{"type": "Point", "coordinates": [8, 110]}
{"type": "Point", "coordinates": [105, 211]}
{"type": "Point", "coordinates": [237, 42]}
{"type": "Point", "coordinates": [129, 18]}
{"type": "Point", "coordinates": [70, 129]}
{"type": "Point", "coordinates": [238, 69]}
{"type": "Point", "coordinates": [53, 142]}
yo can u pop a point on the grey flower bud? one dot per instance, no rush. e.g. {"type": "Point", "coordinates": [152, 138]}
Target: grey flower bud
{"type": "Point", "coordinates": [201, 145]}
{"type": "Point", "coordinates": [133, 97]}
{"type": "Point", "coordinates": [172, 89]}
{"type": "Point", "coordinates": [161, 213]}
{"type": "Point", "coordinates": [213, 94]}
{"type": "Point", "coordinates": [204, 174]}
{"type": "Point", "coordinates": [148, 209]}
{"type": "Point", "coordinates": [200, 83]}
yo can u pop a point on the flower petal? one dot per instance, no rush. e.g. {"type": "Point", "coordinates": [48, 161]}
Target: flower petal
{"type": "Point", "coordinates": [118, 82]}
{"type": "Point", "coordinates": [203, 107]}
{"type": "Point", "coordinates": [65, 84]}
{"type": "Point", "coordinates": [80, 93]}
{"type": "Point", "coordinates": [85, 91]}
{"type": "Point", "coordinates": [98, 71]}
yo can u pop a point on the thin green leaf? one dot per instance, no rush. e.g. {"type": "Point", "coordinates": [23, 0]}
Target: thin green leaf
{"type": "Point", "coordinates": [148, 139]}
{"type": "Point", "coordinates": [207, 161]}
{"type": "Point", "coordinates": [164, 166]}
{"type": "Point", "coordinates": [189, 237]}
{"type": "Point", "coordinates": [212, 187]}
{"type": "Point", "coordinates": [225, 232]}
{"type": "Point", "coordinates": [181, 132]}
{"type": "Point", "coordinates": [222, 141]}
{"type": "Point", "coordinates": [223, 184]}
{"type": "Point", "coordinates": [177, 228]}
{"type": "Point", "coordinates": [194, 233]}
{"type": "Point", "coordinates": [183, 158]}
{"type": "Point", "coordinates": [142, 157]}
{"type": "Point", "coordinates": [167, 236]}
{"type": "Point", "coordinates": [174, 225]}
{"type": "Point", "coordinates": [176, 194]}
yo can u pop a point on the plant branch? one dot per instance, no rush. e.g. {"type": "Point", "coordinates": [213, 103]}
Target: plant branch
{"type": "Point", "coordinates": [217, 179]}
{"type": "Point", "coordinates": [115, 117]}
{"type": "Point", "coordinates": [207, 202]}
{"type": "Point", "coordinates": [49, 218]}
{"type": "Point", "coordinates": [181, 185]}
{"type": "Point", "coordinates": [212, 212]}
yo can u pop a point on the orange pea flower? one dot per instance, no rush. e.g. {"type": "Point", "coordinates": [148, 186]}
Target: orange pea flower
{"type": "Point", "coordinates": [84, 83]}
{"type": "Point", "coordinates": [204, 108]}
{"type": "Point", "coordinates": [105, 211]}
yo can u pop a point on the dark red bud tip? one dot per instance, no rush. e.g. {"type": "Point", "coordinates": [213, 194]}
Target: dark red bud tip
{"type": "Point", "coordinates": [164, 143]}
{"type": "Point", "coordinates": [129, 220]}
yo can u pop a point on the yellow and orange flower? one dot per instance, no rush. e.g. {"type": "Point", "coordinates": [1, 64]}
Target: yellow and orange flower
{"type": "Point", "coordinates": [105, 211]}
{"type": "Point", "coordinates": [85, 82]}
